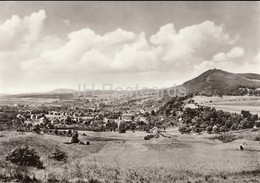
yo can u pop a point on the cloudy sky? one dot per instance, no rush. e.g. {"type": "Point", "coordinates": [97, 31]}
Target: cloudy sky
{"type": "Point", "coordinates": [50, 45]}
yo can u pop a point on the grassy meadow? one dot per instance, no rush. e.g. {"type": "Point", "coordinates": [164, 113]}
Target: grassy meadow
{"type": "Point", "coordinates": [114, 157]}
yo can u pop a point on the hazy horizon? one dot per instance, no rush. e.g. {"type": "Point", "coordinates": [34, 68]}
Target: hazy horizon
{"type": "Point", "coordinates": [100, 87]}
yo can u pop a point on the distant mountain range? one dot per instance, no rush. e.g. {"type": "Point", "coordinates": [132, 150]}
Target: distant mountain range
{"type": "Point", "coordinates": [63, 90]}
{"type": "Point", "coordinates": [211, 82]}
{"type": "Point", "coordinates": [219, 82]}
{"type": "Point", "coordinates": [62, 94]}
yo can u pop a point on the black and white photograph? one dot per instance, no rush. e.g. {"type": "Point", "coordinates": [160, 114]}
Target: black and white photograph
{"type": "Point", "coordinates": [129, 91]}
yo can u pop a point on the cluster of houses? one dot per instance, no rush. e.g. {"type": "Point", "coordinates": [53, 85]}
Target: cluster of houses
{"type": "Point", "coordinates": [95, 112]}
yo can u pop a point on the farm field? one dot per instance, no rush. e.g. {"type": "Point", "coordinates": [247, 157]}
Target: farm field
{"type": "Point", "coordinates": [6, 100]}
{"type": "Point", "coordinates": [114, 157]}
{"type": "Point", "coordinates": [233, 104]}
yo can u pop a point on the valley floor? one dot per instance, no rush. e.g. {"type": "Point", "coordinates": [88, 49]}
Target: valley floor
{"type": "Point", "coordinates": [233, 104]}
{"type": "Point", "coordinates": [114, 157]}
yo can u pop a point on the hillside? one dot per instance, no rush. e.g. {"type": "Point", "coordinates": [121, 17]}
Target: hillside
{"type": "Point", "coordinates": [218, 82]}
{"type": "Point", "coordinates": [62, 91]}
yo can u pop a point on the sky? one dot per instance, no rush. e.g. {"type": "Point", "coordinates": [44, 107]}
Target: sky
{"type": "Point", "coordinates": [50, 45]}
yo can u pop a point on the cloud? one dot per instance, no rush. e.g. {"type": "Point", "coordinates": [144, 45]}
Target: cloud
{"type": "Point", "coordinates": [245, 67]}
{"type": "Point", "coordinates": [257, 57]}
{"type": "Point", "coordinates": [21, 33]}
{"type": "Point", "coordinates": [235, 52]}
{"type": "Point", "coordinates": [86, 52]}
{"type": "Point", "coordinates": [220, 57]}
{"type": "Point", "coordinates": [66, 22]}
{"type": "Point", "coordinates": [124, 56]}
{"type": "Point", "coordinates": [257, 62]}
{"type": "Point", "coordinates": [229, 63]}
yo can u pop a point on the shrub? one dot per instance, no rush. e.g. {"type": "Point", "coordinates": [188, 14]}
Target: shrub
{"type": "Point", "coordinates": [216, 129]}
{"type": "Point", "coordinates": [233, 127]}
{"type": "Point", "coordinates": [225, 137]}
{"type": "Point", "coordinates": [51, 178]}
{"type": "Point", "coordinates": [69, 133]}
{"type": "Point", "coordinates": [24, 156]}
{"type": "Point", "coordinates": [122, 127]}
{"type": "Point", "coordinates": [257, 124]}
{"type": "Point", "coordinates": [209, 129]}
{"type": "Point", "coordinates": [245, 113]}
{"type": "Point", "coordinates": [20, 174]}
{"type": "Point", "coordinates": [246, 124]}
{"type": "Point", "coordinates": [148, 137]}
{"type": "Point", "coordinates": [36, 129]}
{"type": "Point", "coordinates": [56, 132]}
{"type": "Point", "coordinates": [257, 138]}
{"type": "Point", "coordinates": [197, 130]}
{"type": "Point", "coordinates": [58, 154]}
{"type": "Point", "coordinates": [184, 129]}
{"type": "Point", "coordinates": [74, 138]}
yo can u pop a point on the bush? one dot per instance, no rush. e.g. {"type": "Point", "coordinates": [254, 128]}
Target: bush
{"type": "Point", "coordinates": [24, 156]}
{"type": "Point", "coordinates": [216, 129]}
{"type": "Point", "coordinates": [148, 137]}
{"type": "Point", "coordinates": [246, 124]}
{"type": "Point", "coordinates": [197, 130]}
{"type": "Point", "coordinates": [245, 114]}
{"type": "Point", "coordinates": [36, 129]}
{"type": "Point", "coordinates": [56, 132]}
{"type": "Point", "coordinates": [52, 178]}
{"type": "Point", "coordinates": [233, 127]}
{"type": "Point", "coordinates": [184, 129]}
{"type": "Point", "coordinates": [225, 137]}
{"type": "Point", "coordinates": [58, 155]}
{"type": "Point", "coordinates": [74, 138]}
{"type": "Point", "coordinates": [20, 174]}
{"type": "Point", "coordinates": [122, 127]}
{"type": "Point", "coordinates": [209, 129]}
{"type": "Point", "coordinates": [257, 124]}
{"type": "Point", "coordinates": [256, 138]}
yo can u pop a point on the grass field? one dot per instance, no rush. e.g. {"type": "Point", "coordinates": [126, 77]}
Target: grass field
{"type": "Point", "coordinates": [233, 104]}
{"type": "Point", "coordinates": [9, 100]}
{"type": "Point", "coordinates": [114, 157]}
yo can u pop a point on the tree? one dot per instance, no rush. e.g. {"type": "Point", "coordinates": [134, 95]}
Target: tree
{"type": "Point", "coordinates": [184, 129]}
{"type": "Point", "coordinates": [74, 138]}
{"type": "Point", "coordinates": [228, 124]}
{"type": "Point", "coordinates": [216, 129]}
{"type": "Point", "coordinates": [253, 118]}
{"type": "Point", "coordinates": [132, 118]}
{"type": "Point", "coordinates": [68, 120]}
{"type": "Point", "coordinates": [233, 127]}
{"type": "Point", "coordinates": [245, 114]}
{"type": "Point", "coordinates": [246, 124]}
{"type": "Point", "coordinates": [209, 129]}
{"type": "Point", "coordinates": [153, 113]}
{"type": "Point", "coordinates": [122, 127]}
{"type": "Point", "coordinates": [197, 129]}
{"type": "Point", "coordinates": [257, 123]}
{"type": "Point", "coordinates": [37, 129]}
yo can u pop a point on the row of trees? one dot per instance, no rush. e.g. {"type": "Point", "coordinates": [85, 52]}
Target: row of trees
{"type": "Point", "coordinates": [211, 120]}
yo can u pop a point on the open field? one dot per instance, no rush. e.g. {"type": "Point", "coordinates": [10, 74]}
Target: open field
{"type": "Point", "coordinates": [6, 100]}
{"type": "Point", "coordinates": [114, 157]}
{"type": "Point", "coordinates": [233, 104]}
